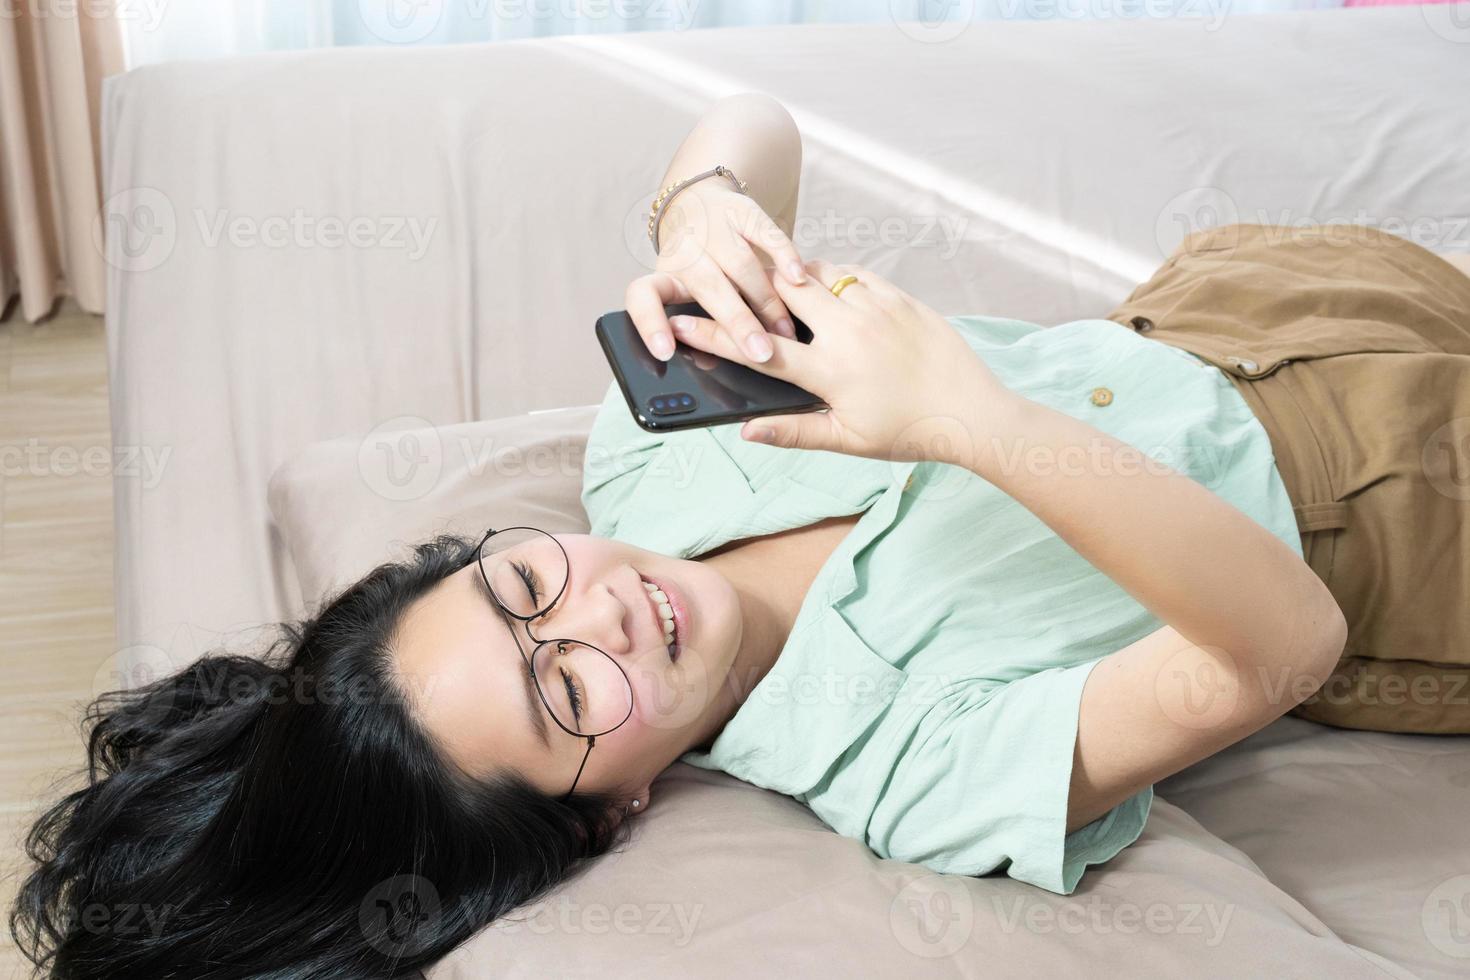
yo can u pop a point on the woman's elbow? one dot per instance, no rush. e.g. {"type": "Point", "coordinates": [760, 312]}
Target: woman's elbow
{"type": "Point", "coordinates": [758, 106]}
{"type": "Point", "coordinates": [1322, 638]}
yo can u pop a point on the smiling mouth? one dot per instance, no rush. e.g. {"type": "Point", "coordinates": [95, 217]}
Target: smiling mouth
{"type": "Point", "coordinates": [673, 646]}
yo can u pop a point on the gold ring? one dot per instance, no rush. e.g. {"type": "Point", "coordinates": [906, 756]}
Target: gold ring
{"type": "Point", "coordinates": [843, 283]}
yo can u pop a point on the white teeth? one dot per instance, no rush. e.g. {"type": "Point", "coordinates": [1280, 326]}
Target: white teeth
{"type": "Point", "coordinates": [660, 601]}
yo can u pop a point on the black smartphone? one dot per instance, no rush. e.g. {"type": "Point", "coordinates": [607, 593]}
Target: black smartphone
{"type": "Point", "coordinates": [694, 388]}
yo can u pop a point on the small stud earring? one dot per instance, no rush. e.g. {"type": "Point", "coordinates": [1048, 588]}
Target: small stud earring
{"type": "Point", "coordinates": [637, 804]}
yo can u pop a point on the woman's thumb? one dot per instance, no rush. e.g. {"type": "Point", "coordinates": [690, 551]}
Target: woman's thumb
{"type": "Point", "coordinates": [808, 430]}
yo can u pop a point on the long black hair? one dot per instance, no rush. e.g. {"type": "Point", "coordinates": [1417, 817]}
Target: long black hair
{"type": "Point", "coordinates": [287, 817]}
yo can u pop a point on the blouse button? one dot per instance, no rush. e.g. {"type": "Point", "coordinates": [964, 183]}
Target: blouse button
{"type": "Point", "coordinates": [1102, 397]}
{"type": "Point", "coordinates": [909, 482]}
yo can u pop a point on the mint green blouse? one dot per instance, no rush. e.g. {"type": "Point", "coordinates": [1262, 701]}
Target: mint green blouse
{"type": "Point", "coordinates": [926, 700]}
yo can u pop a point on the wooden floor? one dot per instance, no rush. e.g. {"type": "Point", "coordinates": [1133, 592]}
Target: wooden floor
{"type": "Point", "coordinates": [56, 612]}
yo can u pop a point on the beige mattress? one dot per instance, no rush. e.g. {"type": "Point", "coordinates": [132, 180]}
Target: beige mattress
{"type": "Point", "coordinates": [493, 194]}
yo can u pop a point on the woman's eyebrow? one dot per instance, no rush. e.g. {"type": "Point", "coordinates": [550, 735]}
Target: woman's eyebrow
{"type": "Point", "coordinates": [533, 699]}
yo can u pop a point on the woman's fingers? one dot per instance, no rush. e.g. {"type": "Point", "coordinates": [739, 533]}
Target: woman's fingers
{"type": "Point", "coordinates": [864, 291]}
{"type": "Point", "coordinates": [767, 236]}
{"type": "Point", "coordinates": [704, 334]}
{"type": "Point", "coordinates": [790, 361]}
{"type": "Point", "coordinates": [878, 288]}
{"type": "Point", "coordinates": [813, 301]}
{"type": "Point", "coordinates": [807, 430]}
{"type": "Point", "coordinates": [746, 272]}
{"type": "Point", "coordinates": [713, 290]}
{"type": "Point", "coordinates": [645, 299]}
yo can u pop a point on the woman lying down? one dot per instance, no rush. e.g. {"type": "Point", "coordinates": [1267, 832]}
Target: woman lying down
{"type": "Point", "coordinates": [969, 615]}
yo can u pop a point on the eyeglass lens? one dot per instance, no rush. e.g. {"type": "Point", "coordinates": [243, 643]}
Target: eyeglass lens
{"type": "Point", "coordinates": [583, 687]}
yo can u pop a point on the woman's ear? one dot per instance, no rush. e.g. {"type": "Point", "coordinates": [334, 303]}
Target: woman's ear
{"type": "Point", "coordinates": [636, 804]}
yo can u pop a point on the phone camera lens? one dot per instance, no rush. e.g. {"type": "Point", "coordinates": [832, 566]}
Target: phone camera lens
{"type": "Point", "coordinates": [674, 403]}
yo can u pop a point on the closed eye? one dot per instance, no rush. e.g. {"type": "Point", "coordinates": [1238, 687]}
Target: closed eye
{"type": "Point", "coordinates": [574, 696]}
{"type": "Point", "coordinates": [532, 583]}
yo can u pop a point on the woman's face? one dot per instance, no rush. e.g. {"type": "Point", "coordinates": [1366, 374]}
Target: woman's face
{"type": "Point", "coordinates": [460, 665]}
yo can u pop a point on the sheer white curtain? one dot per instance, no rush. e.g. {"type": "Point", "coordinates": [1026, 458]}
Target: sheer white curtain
{"type": "Point", "coordinates": [159, 30]}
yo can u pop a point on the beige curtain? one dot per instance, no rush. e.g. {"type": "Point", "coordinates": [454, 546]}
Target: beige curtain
{"type": "Point", "coordinates": [53, 57]}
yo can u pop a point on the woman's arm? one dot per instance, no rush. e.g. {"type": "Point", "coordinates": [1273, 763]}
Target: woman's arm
{"type": "Point", "coordinates": [711, 237]}
{"type": "Point", "coordinates": [754, 136]}
{"type": "Point", "coordinates": [1251, 629]}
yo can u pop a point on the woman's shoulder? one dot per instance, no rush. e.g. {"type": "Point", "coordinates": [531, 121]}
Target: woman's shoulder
{"type": "Point", "coordinates": [656, 489]}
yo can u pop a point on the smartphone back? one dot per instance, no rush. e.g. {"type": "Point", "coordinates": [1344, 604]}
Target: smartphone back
{"type": "Point", "coordinates": [693, 388]}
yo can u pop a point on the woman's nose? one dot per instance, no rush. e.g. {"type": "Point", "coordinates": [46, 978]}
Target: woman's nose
{"type": "Point", "coordinates": [596, 616]}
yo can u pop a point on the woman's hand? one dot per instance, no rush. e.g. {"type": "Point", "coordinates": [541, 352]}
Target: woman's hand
{"type": "Point", "coordinates": [709, 237]}
{"type": "Point", "coordinates": [900, 382]}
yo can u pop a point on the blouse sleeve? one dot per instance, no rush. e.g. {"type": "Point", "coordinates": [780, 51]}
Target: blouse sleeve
{"type": "Point", "coordinates": [618, 452]}
{"type": "Point", "coordinates": [984, 788]}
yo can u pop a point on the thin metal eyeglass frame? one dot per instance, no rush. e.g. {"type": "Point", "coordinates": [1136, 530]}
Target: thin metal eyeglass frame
{"type": "Point", "coordinates": [539, 643]}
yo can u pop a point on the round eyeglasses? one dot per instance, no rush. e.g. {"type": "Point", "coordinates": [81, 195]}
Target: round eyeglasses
{"type": "Point", "coordinates": [586, 692]}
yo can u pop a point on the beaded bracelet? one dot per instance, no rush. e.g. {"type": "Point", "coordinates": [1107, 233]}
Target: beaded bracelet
{"type": "Point", "coordinates": [661, 203]}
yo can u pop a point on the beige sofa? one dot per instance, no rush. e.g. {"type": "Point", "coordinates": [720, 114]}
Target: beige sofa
{"type": "Point", "coordinates": [313, 254]}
